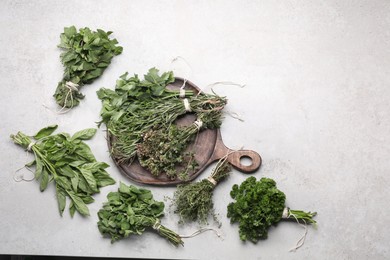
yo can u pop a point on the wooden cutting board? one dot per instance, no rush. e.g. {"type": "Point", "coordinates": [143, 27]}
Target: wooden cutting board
{"type": "Point", "coordinates": [208, 148]}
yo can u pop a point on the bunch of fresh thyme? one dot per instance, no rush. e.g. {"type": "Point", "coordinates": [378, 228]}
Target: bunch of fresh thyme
{"type": "Point", "coordinates": [193, 201]}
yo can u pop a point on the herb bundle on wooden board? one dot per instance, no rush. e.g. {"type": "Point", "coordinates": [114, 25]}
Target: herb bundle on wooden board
{"type": "Point", "coordinates": [163, 150]}
{"type": "Point", "coordinates": [130, 211]}
{"type": "Point", "coordinates": [193, 201]}
{"type": "Point", "coordinates": [259, 205]}
{"type": "Point", "coordinates": [140, 109]}
{"type": "Point", "coordinates": [69, 163]}
{"type": "Point", "coordinates": [86, 55]}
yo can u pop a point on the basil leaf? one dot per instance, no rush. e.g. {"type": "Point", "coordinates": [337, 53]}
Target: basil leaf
{"type": "Point", "coordinates": [72, 208]}
{"type": "Point", "coordinates": [45, 132]}
{"type": "Point", "coordinates": [79, 204]}
{"type": "Point", "coordinates": [90, 179]}
{"type": "Point", "coordinates": [75, 182]}
{"type": "Point", "coordinates": [85, 134]}
{"type": "Point", "coordinates": [38, 168]}
{"type": "Point", "coordinates": [61, 199]}
{"type": "Point", "coordinates": [44, 179]}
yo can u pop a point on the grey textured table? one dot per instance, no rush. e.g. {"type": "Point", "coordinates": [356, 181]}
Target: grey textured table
{"type": "Point", "coordinates": [315, 106]}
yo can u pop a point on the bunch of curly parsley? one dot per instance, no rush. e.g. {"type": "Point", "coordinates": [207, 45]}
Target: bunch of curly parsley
{"type": "Point", "coordinates": [258, 206]}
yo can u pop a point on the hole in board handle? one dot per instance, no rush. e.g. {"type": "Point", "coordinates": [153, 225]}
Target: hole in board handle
{"type": "Point", "coordinates": [246, 160]}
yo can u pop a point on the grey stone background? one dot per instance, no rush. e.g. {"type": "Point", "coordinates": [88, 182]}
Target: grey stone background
{"type": "Point", "coordinates": [315, 106]}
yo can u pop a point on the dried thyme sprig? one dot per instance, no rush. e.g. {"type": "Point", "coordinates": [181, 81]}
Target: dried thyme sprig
{"type": "Point", "coordinates": [193, 201]}
{"type": "Point", "coordinates": [86, 55]}
{"type": "Point", "coordinates": [163, 150]}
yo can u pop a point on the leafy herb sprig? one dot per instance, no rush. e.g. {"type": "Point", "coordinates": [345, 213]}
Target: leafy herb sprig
{"type": "Point", "coordinates": [130, 211]}
{"type": "Point", "coordinates": [259, 205]}
{"type": "Point", "coordinates": [137, 107]}
{"type": "Point", "coordinates": [193, 201]}
{"type": "Point", "coordinates": [86, 55]}
{"type": "Point", "coordinates": [69, 163]}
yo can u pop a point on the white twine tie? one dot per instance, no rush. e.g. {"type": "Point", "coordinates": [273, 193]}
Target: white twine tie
{"type": "Point", "coordinates": [286, 215]}
{"type": "Point", "coordinates": [157, 225]}
{"type": "Point", "coordinates": [198, 123]}
{"type": "Point", "coordinates": [29, 147]}
{"type": "Point", "coordinates": [187, 106]}
{"type": "Point", "coordinates": [212, 180]}
{"type": "Point", "coordinates": [21, 177]}
{"type": "Point", "coordinates": [200, 231]}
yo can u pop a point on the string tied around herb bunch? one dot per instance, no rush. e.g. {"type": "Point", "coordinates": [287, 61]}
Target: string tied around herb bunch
{"type": "Point", "coordinates": [301, 241]}
{"type": "Point", "coordinates": [175, 60]}
{"type": "Point", "coordinates": [198, 123]}
{"type": "Point", "coordinates": [157, 225]}
{"type": "Point", "coordinates": [228, 83]}
{"type": "Point", "coordinates": [29, 147]}
{"type": "Point", "coordinates": [22, 178]}
{"type": "Point", "coordinates": [187, 105]}
{"type": "Point", "coordinates": [71, 88]}
{"type": "Point", "coordinates": [200, 231]}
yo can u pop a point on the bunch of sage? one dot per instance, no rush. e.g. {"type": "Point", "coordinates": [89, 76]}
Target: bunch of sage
{"type": "Point", "coordinates": [86, 55]}
{"type": "Point", "coordinates": [69, 163]}
{"type": "Point", "coordinates": [138, 106]}
{"type": "Point", "coordinates": [193, 201]}
{"type": "Point", "coordinates": [132, 210]}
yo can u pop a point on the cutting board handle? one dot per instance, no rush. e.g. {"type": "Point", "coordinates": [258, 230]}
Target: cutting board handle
{"type": "Point", "coordinates": [235, 156]}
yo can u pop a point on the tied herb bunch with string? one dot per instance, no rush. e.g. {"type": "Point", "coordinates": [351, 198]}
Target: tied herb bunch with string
{"type": "Point", "coordinates": [193, 201]}
{"type": "Point", "coordinates": [163, 150]}
{"type": "Point", "coordinates": [259, 205]}
{"type": "Point", "coordinates": [139, 109]}
{"type": "Point", "coordinates": [86, 55]}
{"type": "Point", "coordinates": [130, 211]}
{"type": "Point", "coordinates": [69, 163]}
